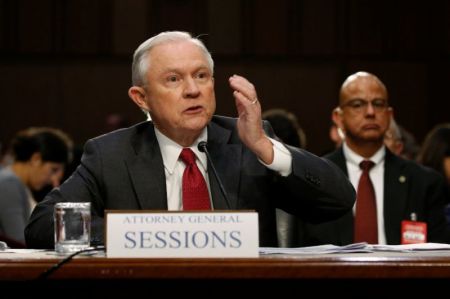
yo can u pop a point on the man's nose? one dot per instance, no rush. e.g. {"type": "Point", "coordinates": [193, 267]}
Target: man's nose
{"type": "Point", "coordinates": [191, 89]}
{"type": "Point", "coordinates": [370, 109]}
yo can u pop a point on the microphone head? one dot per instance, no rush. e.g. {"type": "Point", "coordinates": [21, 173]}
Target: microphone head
{"type": "Point", "coordinates": [202, 146]}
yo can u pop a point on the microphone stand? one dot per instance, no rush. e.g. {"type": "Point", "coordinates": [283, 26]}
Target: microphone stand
{"type": "Point", "coordinates": [202, 146]}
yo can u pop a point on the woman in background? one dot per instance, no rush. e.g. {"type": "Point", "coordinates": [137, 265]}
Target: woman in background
{"type": "Point", "coordinates": [435, 153]}
{"type": "Point", "coordinates": [38, 158]}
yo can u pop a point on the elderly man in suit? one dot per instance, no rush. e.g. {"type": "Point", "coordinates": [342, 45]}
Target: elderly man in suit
{"type": "Point", "coordinates": [402, 189]}
{"type": "Point", "coordinates": [142, 167]}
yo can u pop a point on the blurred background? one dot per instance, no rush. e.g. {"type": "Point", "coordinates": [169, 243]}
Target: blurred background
{"type": "Point", "coordinates": [66, 63]}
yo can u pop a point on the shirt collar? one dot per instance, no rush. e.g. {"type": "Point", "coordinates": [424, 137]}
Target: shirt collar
{"type": "Point", "coordinates": [170, 150]}
{"type": "Point", "coordinates": [356, 159]}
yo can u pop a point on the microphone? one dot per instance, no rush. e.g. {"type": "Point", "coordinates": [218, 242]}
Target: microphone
{"type": "Point", "coordinates": [202, 146]}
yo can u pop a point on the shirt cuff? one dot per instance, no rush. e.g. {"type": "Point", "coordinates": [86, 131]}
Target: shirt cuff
{"type": "Point", "coordinates": [282, 159]}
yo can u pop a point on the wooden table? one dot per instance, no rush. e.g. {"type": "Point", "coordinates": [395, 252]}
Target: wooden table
{"type": "Point", "coordinates": [326, 274]}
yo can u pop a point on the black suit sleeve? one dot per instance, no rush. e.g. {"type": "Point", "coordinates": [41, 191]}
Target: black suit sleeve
{"type": "Point", "coordinates": [316, 190]}
{"type": "Point", "coordinates": [319, 190]}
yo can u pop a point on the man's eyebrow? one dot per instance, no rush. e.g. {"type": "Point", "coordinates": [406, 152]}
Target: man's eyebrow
{"type": "Point", "coordinates": [179, 71]}
{"type": "Point", "coordinates": [359, 99]}
{"type": "Point", "coordinates": [353, 100]}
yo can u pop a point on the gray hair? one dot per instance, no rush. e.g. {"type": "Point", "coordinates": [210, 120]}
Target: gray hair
{"type": "Point", "coordinates": [141, 62]}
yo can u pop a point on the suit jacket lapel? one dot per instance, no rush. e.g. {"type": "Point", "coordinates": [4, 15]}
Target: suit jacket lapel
{"type": "Point", "coordinates": [146, 170]}
{"type": "Point", "coordinates": [227, 160]}
{"type": "Point", "coordinates": [345, 223]}
{"type": "Point", "coordinates": [395, 197]}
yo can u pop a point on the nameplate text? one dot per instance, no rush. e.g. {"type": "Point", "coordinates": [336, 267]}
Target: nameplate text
{"type": "Point", "coordinates": [181, 234]}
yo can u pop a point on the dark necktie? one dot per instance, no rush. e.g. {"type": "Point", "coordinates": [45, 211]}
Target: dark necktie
{"type": "Point", "coordinates": [195, 192]}
{"type": "Point", "coordinates": [366, 229]}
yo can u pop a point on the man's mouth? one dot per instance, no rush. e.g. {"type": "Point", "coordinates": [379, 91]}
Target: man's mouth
{"type": "Point", "coordinates": [371, 127]}
{"type": "Point", "coordinates": [193, 109]}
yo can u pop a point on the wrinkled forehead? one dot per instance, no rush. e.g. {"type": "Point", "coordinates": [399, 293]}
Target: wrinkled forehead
{"type": "Point", "coordinates": [175, 50]}
{"type": "Point", "coordinates": [365, 88]}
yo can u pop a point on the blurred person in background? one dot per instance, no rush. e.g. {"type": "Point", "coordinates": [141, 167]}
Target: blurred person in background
{"type": "Point", "coordinates": [400, 141]}
{"type": "Point", "coordinates": [38, 157]}
{"type": "Point", "coordinates": [435, 153]}
{"type": "Point", "coordinates": [336, 134]}
{"type": "Point", "coordinates": [286, 127]}
{"type": "Point", "coordinates": [393, 138]}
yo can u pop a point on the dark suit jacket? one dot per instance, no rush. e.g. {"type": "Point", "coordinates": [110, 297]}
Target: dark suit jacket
{"type": "Point", "coordinates": [408, 188]}
{"type": "Point", "coordinates": [124, 170]}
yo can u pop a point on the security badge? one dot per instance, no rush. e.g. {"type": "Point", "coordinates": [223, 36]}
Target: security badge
{"type": "Point", "coordinates": [414, 231]}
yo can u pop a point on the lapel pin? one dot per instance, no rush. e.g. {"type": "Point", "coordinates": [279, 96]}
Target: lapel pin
{"type": "Point", "coordinates": [402, 179]}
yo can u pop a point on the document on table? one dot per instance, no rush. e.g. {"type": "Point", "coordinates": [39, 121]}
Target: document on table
{"type": "Point", "coordinates": [354, 248]}
{"type": "Point", "coordinates": [320, 249]}
{"type": "Point", "coordinates": [410, 247]}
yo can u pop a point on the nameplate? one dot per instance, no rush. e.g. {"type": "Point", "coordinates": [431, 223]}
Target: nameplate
{"type": "Point", "coordinates": [142, 234]}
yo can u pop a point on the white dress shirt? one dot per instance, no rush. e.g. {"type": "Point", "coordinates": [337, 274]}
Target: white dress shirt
{"type": "Point", "coordinates": [174, 167]}
{"type": "Point", "coordinates": [376, 175]}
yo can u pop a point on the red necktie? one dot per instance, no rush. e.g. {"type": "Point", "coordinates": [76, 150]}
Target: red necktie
{"type": "Point", "coordinates": [366, 229]}
{"type": "Point", "coordinates": [195, 192]}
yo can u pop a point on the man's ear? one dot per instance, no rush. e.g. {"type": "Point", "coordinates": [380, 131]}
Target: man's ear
{"type": "Point", "coordinates": [138, 95]}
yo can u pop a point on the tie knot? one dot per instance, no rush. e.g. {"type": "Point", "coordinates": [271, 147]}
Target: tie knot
{"type": "Point", "coordinates": [187, 156]}
{"type": "Point", "coordinates": [366, 165]}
